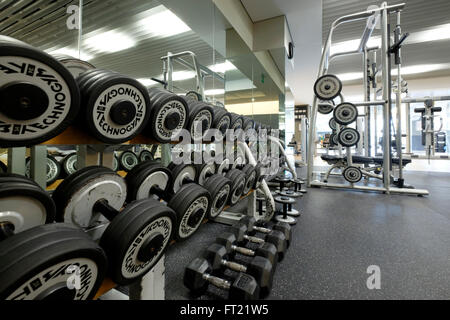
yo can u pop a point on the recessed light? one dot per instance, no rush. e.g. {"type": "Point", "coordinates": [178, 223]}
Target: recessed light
{"type": "Point", "coordinates": [161, 22]}
{"type": "Point", "coordinates": [214, 92]}
{"type": "Point", "coordinates": [223, 67]}
{"type": "Point", "coordinates": [109, 42]}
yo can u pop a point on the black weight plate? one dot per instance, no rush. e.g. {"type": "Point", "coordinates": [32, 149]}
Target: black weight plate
{"type": "Point", "coordinates": [194, 96]}
{"type": "Point", "coordinates": [36, 69]}
{"type": "Point", "coordinates": [238, 184]}
{"type": "Point", "coordinates": [203, 113]}
{"type": "Point", "coordinates": [69, 164]}
{"type": "Point", "coordinates": [250, 178]}
{"type": "Point", "coordinates": [100, 100]}
{"type": "Point", "coordinates": [11, 177]}
{"type": "Point", "coordinates": [325, 107]}
{"type": "Point", "coordinates": [327, 87]}
{"type": "Point", "coordinates": [140, 174]}
{"type": "Point", "coordinates": [345, 113]}
{"type": "Point", "coordinates": [29, 257]}
{"type": "Point", "coordinates": [128, 160]}
{"type": "Point", "coordinates": [191, 204]}
{"type": "Point", "coordinates": [352, 174]}
{"type": "Point", "coordinates": [332, 124]}
{"type": "Point", "coordinates": [220, 189]}
{"type": "Point", "coordinates": [136, 240]}
{"type": "Point", "coordinates": [248, 123]}
{"type": "Point", "coordinates": [236, 121]}
{"type": "Point", "coordinates": [163, 105]}
{"type": "Point", "coordinates": [145, 155]}
{"type": "Point", "coordinates": [88, 78]}
{"type": "Point", "coordinates": [53, 169]}
{"type": "Point", "coordinates": [3, 167]}
{"type": "Point", "coordinates": [348, 137]}
{"type": "Point", "coordinates": [221, 119]}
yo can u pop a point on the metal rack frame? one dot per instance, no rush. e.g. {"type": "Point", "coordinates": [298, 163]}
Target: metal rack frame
{"type": "Point", "coordinates": [384, 11]}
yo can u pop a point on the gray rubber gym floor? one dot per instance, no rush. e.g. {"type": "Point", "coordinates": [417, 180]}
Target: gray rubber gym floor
{"type": "Point", "coordinates": [341, 234]}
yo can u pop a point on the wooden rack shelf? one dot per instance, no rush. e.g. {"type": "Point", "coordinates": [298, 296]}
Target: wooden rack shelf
{"type": "Point", "coordinates": [75, 136]}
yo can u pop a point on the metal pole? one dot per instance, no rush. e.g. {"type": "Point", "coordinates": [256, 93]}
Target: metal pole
{"type": "Point", "coordinates": [408, 128]}
{"type": "Point", "coordinates": [374, 63]}
{"type": "Point", "coordinates": [386, 96]}
{"type": "Point", "coordinates": [169, 72]}
{"type": "Point", "coordinates": [399, 107]}
{"type": "Point", "coordinates": [80, 27]}
{"type": "Point", "coordinates": [366, 109]}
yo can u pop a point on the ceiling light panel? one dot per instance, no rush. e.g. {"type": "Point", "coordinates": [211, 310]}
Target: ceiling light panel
{"type": "Point", "coordinates": [161, 22]}
{"type": "Point", "coordinates": [109, 41]}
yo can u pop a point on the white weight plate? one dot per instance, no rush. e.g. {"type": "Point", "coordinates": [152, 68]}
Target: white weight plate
{"type": "Point", "coordinates": [23, 212]}
{"type": "Point", "coordinates": [80, 207]}
{"type": "Point", "coordinates": [158, 179]}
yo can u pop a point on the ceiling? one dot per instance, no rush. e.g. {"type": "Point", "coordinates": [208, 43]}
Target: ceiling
{"type": "Point", "coordinates": [417, 16]}
{"type": "Point", "coordinates": [42, 23]}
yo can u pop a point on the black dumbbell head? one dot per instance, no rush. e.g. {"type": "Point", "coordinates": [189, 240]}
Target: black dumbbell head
{"type": "Point", "coordinates": [193, 276]}
{"type": "Point", "coordinates": [215, 253]}
{"type": "Point", "coordinates": [239, 231]}
{"type": "Point", "coordinates": [262, 270]}
{"type": "Point", "coordinates": [279, 241]}
{"type": "Point", "coordinates": [244, 287]}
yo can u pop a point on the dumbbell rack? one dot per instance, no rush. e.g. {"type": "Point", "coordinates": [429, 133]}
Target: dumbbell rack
{"type": "Point", "coordinates": [93, 152]}
{"type": "Point", "coordinates": [230, 218]}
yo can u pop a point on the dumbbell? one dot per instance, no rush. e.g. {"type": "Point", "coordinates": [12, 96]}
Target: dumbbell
{"type": "Point", "coordinates": [255, 226]}
{"type": "Point", "coordinates": [115, 108]}
{"type": "Point", "coordinates": [169, 114]}
{"type": "Point", "coordinates": [218, 186]}
{"type": "Point", "coordinates": [284, 217]}
{"type": "Point", "coordinates": [237, 121]}
{"type": "Point", "coordinates": [259, 267]}
{"type": "Point", "coordinates": [266, 250]}
{"type": "Point", "coordinates": [248, 124]}
{"type": "Point", "coordinates": [136, 237]}
{"type": "Point", "coordinates": [275, 237]}
{"type": "Point", "coordinates": [237, 178]}
{"type": "Point", "coordinates": [197, 277]}
{"type": "Point", "coordinates": [194, 96]}
{"type": "Point", "coordinates": [145, 155]}
{"type": "Point", "coordinates": [295, 195]}
{"type": "Point", "coordinates": [53, 169]}
{"type": "Point", "coordinates": [200, 119]}
{"type": "Point", "coordinates": [33, 108]}
{"type": "Point", "coordinates": [221, 119]}
{"type": "Point", "coordinates": [250, 177]}
{"type": "Point", "coordinates": [128, 160]}
{"type": "Point", "coordinates": [191, 202]}
{"type": "Point", "coordinates": [32, 246]}
{"type": "Point", "coordinates": [69, 164]}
